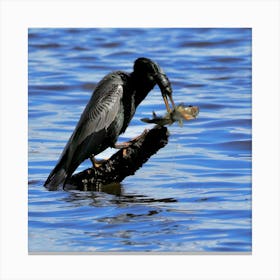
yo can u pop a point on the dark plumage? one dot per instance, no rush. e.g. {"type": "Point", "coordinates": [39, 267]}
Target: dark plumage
{"type": "Point", "coordinates": [108, 114]}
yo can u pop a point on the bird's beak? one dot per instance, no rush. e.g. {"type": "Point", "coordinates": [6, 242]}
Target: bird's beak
{"type": "Point", "coordinates": [165, 97]}
{"type": "Point", "coordinates": [166, 90]}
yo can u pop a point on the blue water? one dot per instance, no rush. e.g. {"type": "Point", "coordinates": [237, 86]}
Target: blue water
{"type": "Point", "coordinates": [194, 195]}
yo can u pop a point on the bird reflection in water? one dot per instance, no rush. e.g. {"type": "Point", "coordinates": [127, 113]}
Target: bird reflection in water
{"type": "Point", "coordinates": [118, 196]}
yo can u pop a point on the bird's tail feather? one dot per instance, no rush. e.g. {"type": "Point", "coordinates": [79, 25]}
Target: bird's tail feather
{"type": "Point", "coordinates": [56, 177]}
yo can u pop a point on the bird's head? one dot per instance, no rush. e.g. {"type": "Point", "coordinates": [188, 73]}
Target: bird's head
{"type": "Point", "coordinates": [151, 71]}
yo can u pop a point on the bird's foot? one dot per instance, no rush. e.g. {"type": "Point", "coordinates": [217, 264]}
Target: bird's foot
{"type": "Point", "coordinates": [123, 145]}
{"type": "Point", "coordinates": [96, 163]}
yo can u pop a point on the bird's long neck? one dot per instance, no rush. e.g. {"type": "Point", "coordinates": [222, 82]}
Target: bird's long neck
{"type": "Point", "coordinates": [141, 86]}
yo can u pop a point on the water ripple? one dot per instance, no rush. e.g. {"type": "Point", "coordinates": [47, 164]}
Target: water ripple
{"type": "Point", "coordinates": [192, 196]}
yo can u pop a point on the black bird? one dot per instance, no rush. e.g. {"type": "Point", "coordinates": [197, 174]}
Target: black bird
{"type": "Point", "coordinates": [107, 115]}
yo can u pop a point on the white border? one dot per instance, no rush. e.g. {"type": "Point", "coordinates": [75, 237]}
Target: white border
{"type": "Point", "coordinates": [262, 16]}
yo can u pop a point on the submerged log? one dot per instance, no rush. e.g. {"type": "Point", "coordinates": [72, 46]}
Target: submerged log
{"type": "Point", "coordinates": [123, 163]}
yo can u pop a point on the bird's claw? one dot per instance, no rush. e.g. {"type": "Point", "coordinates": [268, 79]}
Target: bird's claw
{"type": "Point", "coordinates": [96, 163]}
{"type": "Point", "coordinates": [124, 145]}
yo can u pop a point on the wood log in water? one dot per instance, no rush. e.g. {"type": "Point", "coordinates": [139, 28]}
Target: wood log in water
{"type": "Point", "coordinates": [123, 163]}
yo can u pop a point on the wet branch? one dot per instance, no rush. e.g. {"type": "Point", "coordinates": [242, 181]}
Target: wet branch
{"type": "Point", "coordinates": [123, 163]}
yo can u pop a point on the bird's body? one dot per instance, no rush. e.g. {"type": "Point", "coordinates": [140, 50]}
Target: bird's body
{"type": "Point", "coordinates": [105, 117]}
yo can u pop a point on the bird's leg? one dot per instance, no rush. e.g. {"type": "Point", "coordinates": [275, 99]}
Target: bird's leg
{"type": "Point", "coordinates": [92, 159]}
{"type": "Point", "coordinates": [127, 144]}
{"type": "Point", "coordinates": [121, 145]}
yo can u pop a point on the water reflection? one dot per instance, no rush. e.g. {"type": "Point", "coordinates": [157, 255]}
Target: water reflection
{"type": "Point", "coordinates": [118, 196]}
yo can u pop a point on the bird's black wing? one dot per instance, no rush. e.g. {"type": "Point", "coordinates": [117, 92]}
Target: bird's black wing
{"type": "Point", "coordinates": [101, 111]}
{"type": "Point", "coordinates": [99, 114]}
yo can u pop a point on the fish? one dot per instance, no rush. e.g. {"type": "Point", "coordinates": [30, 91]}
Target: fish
{"type": "Point", "coordinates": [179, 114]}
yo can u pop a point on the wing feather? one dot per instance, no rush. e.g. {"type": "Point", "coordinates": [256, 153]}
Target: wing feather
{"type": "Point", "coordinates": [99, 115]}
{"type": "Point", "coordinates": [100, 112]}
